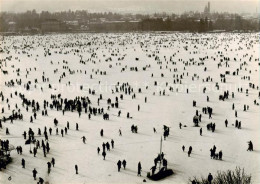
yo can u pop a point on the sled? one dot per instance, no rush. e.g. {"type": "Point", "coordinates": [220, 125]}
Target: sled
{"type": "Point", "coordinates": [163, 173]}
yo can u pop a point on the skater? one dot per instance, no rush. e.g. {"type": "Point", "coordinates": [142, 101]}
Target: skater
{"type": "Point", "coordinates": [139, 169]}
{"type": "Point", "coordinates": [98, 150]}
{"type": "Point", "coordinates": [200, 131]}
{"type": "Point", "coordinates": [183, 148]}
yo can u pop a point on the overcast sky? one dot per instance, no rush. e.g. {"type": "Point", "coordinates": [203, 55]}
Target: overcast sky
{"type": "Point", "coordinates": [131, 6]}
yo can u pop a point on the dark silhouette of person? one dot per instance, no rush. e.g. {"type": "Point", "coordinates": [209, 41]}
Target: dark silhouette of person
{"type": "Point", "coordinates": [226, 122]}
{"type": "Point", "coordinates": [104, 155]}
{"type": "Point", "coordinates": [220, 154]}
{"type": "Point", "coordinates": [76, 168]}
{"type": "Point", "coordinates": [23, 163]}
{"type": "Point", "coordinates": [119, 163]}
{"type": "Point", "coordinates": [41, 180]}
{"type": "Point", "coordinates": [84, 139]}
{"type": "Point", "coordinates": [139, 169]}
{"type": "Point", "coordinates": [112, 143]}
{"type": "Point", "coordinates": [124, 163]}
{"type": "Point", "coordinates": [101, 132]}
{"type": "Point", "coordinates": [210, 178]}
{"type": "Point", "coordinates": [34, 173]}
{"type": "Point", "coordinates": [153, 169]}
{"type": "Point", "coordinates": [53, 161]}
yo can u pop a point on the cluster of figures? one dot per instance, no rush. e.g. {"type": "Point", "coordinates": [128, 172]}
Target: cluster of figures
{"type": "Point", "coordinates": [211, 126]}
{"type": "Point", "coordinates": [214, 155]}
{"type": "Point", "coordinates": [160, 158]}
{"type": "Point", "coordinates": [105, 146]}
{"type": "Point", "coordinates": [119, 164]}
{"type": "Point", "coordinates": [166, 131]}
{"type": "Point", "coordinates": [134, 129]}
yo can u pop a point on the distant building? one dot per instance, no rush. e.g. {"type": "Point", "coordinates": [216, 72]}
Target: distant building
{"type": "Point", "coordinates": [52, 25]}
{"type": "Point", "coordinates": [207, 9]}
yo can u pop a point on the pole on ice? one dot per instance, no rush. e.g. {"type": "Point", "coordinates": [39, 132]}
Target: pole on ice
{"type": "Point", "coordinates": [160, 154]}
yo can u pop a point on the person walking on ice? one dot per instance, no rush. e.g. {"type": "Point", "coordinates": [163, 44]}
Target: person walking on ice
{"type": "Point", "coordinates": [76, 169]}
{"type": "Point", "coordinates": [34, 173]}
{"type": "Point", "coordinates": [104, 155]}
{"type": "Point", "coordinates": [124, 163]}
{"type": "Point", "coordinates": [210, 178]}
{"type": "Point", "coordinates": [119, 165]}
{"type": "Point", "coordinates": [139, 168]}
{"type": "Point", "coordinates": [84, 139]}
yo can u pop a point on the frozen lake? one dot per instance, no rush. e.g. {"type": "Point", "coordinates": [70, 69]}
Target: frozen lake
{"type": "Point", "coordinates": [176, 62]}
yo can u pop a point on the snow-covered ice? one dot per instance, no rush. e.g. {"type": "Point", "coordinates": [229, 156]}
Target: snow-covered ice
{"type": "Point", "coordinates": [159, 54]}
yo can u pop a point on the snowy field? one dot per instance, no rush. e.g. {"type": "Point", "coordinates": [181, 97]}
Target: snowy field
{"type": "Point", "coordinates": [179, 57]}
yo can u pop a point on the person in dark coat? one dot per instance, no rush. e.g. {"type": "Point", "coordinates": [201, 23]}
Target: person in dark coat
{"type": "Point", "coordinates": [112, 143]}
{"type": "Point", "coordinates": [23, 163]}
{"type": "Point", "coordinates": [226, 122]}
{"type": "Point", "coordinates": [119, 165]}
{"type": "Point", "coordinates": [101, 132]}
{"type": "Point", "coordinates": [84, 139]}
{"type": "Point", "coordinates": [49, 167]}
{"type": "Point", "coordinates": [53, 162]}
{"type": "Point", "coordinates": [34, 152]}
{"type": "Point", "coordinates": [189, 152]}
{"type": "Point", "coordinates": [41, 180]}
{"type": "Point", "coordinates": [76, 168]}
{"type": "Point", "coordinates": [139, 168]}
{"type": "Point", "coordinates": [153, 169]}
{"type": "Point", "coordinates": [165, 163]}
{"type": "Point", "coordinates": [98, 150]}
{"type": "Point", "coordinates": [124, 163]}
{"type": "Point", "coordinates": [104, 155]}
{"type": "Point", "coordinates": [34, 173]}
{"type": "Point", "coordinates": [210, 178]}
{"type": "Point", "coordinates": [220, 154]}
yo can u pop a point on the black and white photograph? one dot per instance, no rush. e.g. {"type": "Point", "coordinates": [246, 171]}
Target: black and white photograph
{"type": "Point", "coordinates": [129, 91]}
